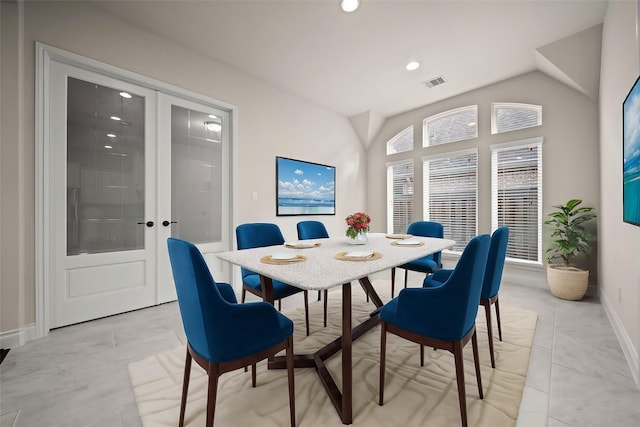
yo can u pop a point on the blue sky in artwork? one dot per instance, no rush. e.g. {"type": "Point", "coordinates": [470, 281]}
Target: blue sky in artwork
{"type": "Point", "coordinates": [297, 179]}
{"type": "Point", "coordinates": [632, 133]}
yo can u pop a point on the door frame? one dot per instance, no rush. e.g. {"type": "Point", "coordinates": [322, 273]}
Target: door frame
{"type": "Point", "coordinates": [43, 248]}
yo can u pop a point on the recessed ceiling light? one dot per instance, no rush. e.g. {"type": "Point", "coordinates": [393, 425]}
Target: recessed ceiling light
{"type": "Point", "coordinates": [125, 95]}
{"type": "Point", "coordinates": [349, 5]}
{"type": "Point", "coordinates": [211, 116]}
{"type": "Point", "coordinates": [115, 118]}
{"type": "Point", "coordinates": [471, 124]}
{"type": "Point", "coordinates": [413, 65]}
{"type": "Point", "coordinates": [108, 146]}
{"type": "Point", "coordinates": [111, 135]}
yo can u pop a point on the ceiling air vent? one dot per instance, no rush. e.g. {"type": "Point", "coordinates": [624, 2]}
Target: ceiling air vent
{"type": "Point", "coordinates": [436, 81]}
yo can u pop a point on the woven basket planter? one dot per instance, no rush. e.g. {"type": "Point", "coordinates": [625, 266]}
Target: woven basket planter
{"type": "Point", "coordinates": [567, 282]}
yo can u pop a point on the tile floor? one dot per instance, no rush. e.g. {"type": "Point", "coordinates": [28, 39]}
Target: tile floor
{"type": "Point", "coordinates": [77, 376]}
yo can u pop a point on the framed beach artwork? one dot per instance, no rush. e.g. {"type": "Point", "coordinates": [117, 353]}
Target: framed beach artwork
{"type": "Point", "coordinates": [631, 156]}
{"type": "Point", "coordinates": [304, 188]}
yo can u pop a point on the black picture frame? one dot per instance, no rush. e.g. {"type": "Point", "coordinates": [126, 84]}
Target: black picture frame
{"type": "Point", "coordinates": [631, 155]}
{"type": "Point", "coordinates": [304, 188]}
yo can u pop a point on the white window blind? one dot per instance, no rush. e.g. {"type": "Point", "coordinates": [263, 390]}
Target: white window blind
{"type": "Point", "coordinates": [516, 196]}
{"type": "Point", "coordinates": [402, 142]}
{"type": "Point", "coordinates": [507, 116]}
{"type": "Point", "coordinates": [451, 126]}
{"type": "Point", "coordinates": [451, 193]}
{"type": "Point", "coordinates": [399, 196]}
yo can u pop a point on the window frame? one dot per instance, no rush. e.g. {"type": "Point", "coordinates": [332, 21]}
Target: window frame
{"type": "Point", "coordinates": [426, 142]}
{"type": "Point", "coordinates": [391, 211]}
{"type": "Point", "coordinates": [426, 195]}
{"type": "Point", "coordinates": [515, 145]}
{"type": "Point", "coordinates": [495, 106]}
{"type": "Point", "coordinates": [398, 136]}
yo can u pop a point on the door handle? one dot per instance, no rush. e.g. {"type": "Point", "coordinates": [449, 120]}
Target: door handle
{"type": "Point", "coordinates": [168, 223]}
{"type": "Point", "coordinates": [148, 223]}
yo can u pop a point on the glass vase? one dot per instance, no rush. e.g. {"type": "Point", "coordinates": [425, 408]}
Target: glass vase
{"type": "Point", "coordinates": [361, 239]}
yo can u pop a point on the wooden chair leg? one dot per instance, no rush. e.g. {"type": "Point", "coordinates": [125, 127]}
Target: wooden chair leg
{"type": "Point", "coordinates": [326, 299]}
{"type": "Point", "coordinates": [421, 355]}
{"type": "Point", "coordinates": [212, 391]}
{"type": "Point", "coordinates": [498, 318]}
{"type": "Point", "coordinates": [280, 304]}
{"type": "Point", "coordinates": [383, 350]}
{"type": "Point", "coordinates": [185, 388]}
{"type": "Point", "coordinates": [393, 281]}
{"type": "Point", "coordinates": [290, 378]}
{"type": "Point", "coordinates": [462, 397]}
{"type": "Point", "coordinates": [487, 312]}
{"type": "Point", "coordinates": [244, 294]}
{"type": "Point", "coordinates": [406, 278]}
{"type": "Point", "coordinates": [319, 294]}
{"type": "Point", "coordinates": [474, 344]}
{"type": "Point", "coordinates": [306, 310]}
{"type": "Point", "coordinates": [253, 375]}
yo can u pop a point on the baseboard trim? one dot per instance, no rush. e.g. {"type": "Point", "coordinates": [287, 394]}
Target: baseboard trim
{"type": "Point", "coordinates": [18, 337]}
{"type": "Point", "coordinates": [628, 349]}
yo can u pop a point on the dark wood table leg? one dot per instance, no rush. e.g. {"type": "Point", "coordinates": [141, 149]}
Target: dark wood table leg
{"type": "Point", "coordinates": [342, 400]}
{"type": "Point", "coordinates": [267, 289]}
{"type": "Point", "coordinates": [347, 380]}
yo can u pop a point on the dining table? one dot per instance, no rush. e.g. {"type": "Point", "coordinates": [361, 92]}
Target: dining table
{"type": "Point", "coordinates": [320, 264]}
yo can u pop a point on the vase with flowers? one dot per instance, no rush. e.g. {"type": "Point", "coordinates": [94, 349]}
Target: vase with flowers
{"type": "Point", "coordinates": [357, 228]}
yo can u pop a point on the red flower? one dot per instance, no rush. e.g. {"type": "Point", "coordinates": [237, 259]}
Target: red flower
{"type": "Point", "coordinates": [357, 223]}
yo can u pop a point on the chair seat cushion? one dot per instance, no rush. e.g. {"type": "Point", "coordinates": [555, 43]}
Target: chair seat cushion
{"type": "Point", "coordinates": [424, 265]}
{"type": "Point", "coordinates": [280, 290]}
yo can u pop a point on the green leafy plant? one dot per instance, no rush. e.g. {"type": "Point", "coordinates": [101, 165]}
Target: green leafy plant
{"type": "Point", "coordinates": [571, 236]}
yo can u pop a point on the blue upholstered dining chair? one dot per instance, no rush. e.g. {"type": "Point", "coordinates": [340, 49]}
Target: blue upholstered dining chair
{"type": "Point", "coordinates": [222, 335]}
{"type": "Point", "coordinates": [427, 264]}
{"type": "Point", "coordinates": [256, 235]}
{"type": "Point", "coordinates": [490, 283]}
{"type": "Point", "coordinates": [442, 317]}
{"type": "Point", "coordinates": [314, 230]}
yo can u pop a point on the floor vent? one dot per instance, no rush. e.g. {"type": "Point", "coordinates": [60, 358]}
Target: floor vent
{"type": "Point", "coordinates": [436, 81]}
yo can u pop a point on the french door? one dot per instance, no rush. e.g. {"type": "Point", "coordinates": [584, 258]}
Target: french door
{"type": "Point", "coordinates": [128, 166]}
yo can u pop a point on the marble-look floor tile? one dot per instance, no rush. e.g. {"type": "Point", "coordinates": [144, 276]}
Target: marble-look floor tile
{"type": "Point", "coordinates": [556, 423]}
{"type": "Point", "coordinates": [600, 356]}
{"type": "Point", "coordinates": [534, 408]}
{"type": "Point", "coordinates": [77, 375]}
{"type": "Point", "coordinates": [539, 372]}
{"type": "Point", "coordinates": [586, 401]}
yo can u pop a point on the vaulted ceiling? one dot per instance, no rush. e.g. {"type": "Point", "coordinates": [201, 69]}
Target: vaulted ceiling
{"type": "Point", "coordinates": [354, 63]}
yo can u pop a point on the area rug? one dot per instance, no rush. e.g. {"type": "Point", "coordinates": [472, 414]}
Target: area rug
{"type": "Point", "coordinates": [414, 395]}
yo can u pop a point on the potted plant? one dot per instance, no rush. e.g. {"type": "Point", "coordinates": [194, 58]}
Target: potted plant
{"type": "Point", "coordinates": [570, 239]}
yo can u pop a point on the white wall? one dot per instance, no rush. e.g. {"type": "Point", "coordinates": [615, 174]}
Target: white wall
{"type": "Point", "coordinates": [270, 122]}
{"type": "Point", "coordinates": [569, 152]}
{"type": "Point", "coordinates": [619, 242]}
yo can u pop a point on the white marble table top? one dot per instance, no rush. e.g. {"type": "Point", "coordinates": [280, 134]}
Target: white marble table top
{"type": "Point", "coordinates": [321, 269]}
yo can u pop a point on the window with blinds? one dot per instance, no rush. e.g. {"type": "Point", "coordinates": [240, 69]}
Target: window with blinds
{"type": "Point", "coordinates": [516, 196]}
{"type": "Point", "coordinates": [399, 196]}
{"type": "Point", "coordinates": [451, 126]}
{"type": "Point", "coordinates": [506, 117]}
{"type": "Point", "coordinates": [402, 142]}
{"type": "Point", "coordinates": [451, 193]}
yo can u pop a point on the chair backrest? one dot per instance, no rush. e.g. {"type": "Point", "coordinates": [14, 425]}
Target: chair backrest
{"type": "Point", "coordinates": [257, 235]}
{"type": "Point", "coordinates": [495, 262]}
{"type": "Point", "coordinates": [428, 229]}
{"type": "Point", "coordinates": [204, 312]}
{"type": "Point", "coordinates": [466, 281]}
{"type": "Point", "coordinates": [311, 230]}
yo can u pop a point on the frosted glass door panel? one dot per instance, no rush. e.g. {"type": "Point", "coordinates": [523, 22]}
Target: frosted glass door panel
{"type": "Point", "coordinates": [105, 169]}
{"type": "Point", "coordinates": [196, 175]}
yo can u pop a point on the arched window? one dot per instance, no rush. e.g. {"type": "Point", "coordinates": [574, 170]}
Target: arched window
{"type": "Point", "coordinates": [451, 126]}
{"type": "Point", "coordinates": [507, 116]}
{"type": "Point", "coordinates": [402, 142]}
